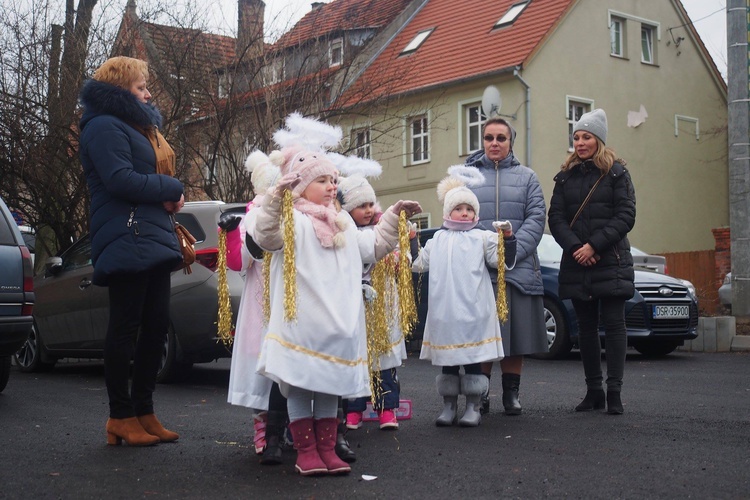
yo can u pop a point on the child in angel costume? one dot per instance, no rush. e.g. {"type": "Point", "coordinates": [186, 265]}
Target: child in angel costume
{"type": "Point", "coordinates": [315, 348]}
{"type": "Point", "coordinates": [386, 345]}
{"type": "Point", "coordinates": [462, 326]}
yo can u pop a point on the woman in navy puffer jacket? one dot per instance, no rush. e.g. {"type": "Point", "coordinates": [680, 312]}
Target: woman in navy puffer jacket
{"type": "Point", "coordinates": [133, 244]}
{"type": "Point", "coordinates": [596, 271]}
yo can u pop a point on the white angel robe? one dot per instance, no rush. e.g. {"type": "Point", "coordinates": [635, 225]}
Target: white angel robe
{"type": "Point", "coordinates": [462, 325]}
{"type": "Point", "coordinates": [246, 387]}
{"type": "Point", "coordinates": [325, 348]}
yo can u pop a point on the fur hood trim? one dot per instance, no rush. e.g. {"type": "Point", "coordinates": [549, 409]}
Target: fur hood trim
{"type": "Point", "coordinates": [99, 98]}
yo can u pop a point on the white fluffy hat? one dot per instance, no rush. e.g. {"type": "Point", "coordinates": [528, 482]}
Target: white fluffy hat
{"type": "Point", "coordinates": [452, 190]}
{"type": "Point", "coordinates": [264, 173]}
{"type": "Point", "coordinates": [354, 191]}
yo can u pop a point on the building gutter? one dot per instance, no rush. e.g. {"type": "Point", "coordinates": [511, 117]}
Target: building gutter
{"type": "Point", "coordinates": [517, 74]}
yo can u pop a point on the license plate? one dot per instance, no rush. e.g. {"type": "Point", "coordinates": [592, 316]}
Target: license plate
{"type": "Point", "coordinates": [671, 312]}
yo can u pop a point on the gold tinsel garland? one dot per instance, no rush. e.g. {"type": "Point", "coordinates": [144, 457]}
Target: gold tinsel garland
{"type": "Point", "coordinates": [224, 321]}
{"type": "Point", "coordinates": [290, 270]}
{"type": "Point", "coordinates": [407, 307]}
{"type": "Point", "coordinates": [376, 323]}
{"type": "Point", "coordinates": [502, 302]}
{"type": "Point", "coordinates": [266, 287]}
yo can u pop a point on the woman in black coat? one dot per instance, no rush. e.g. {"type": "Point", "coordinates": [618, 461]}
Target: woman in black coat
{"type": "Point", "coordinates": [591, 212]}
{"type": "Point", "coordinates": [129, 169]}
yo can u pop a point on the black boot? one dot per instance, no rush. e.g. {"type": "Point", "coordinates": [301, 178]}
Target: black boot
{"type": "Point", "coordinates": [343, 451]}
{"type": "Point", "coordinates": [511, 382]}
{"type": "Point", "coordinates": [275, 428]}
{"type": "Point", "coordinates": [594, 400]}
{"type": "Point", "coordinates": [614, 406]}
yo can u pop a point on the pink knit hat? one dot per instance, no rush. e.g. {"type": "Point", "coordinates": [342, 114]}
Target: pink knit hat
{"type": "Point", "coordinates": [308, 164]}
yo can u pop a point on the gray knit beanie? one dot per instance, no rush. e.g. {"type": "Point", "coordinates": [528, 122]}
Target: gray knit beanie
{"type": "Point", "coordinates": [595, 122]}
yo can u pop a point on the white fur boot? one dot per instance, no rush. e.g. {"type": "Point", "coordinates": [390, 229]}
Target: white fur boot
{"type": "Point", "coordinates": [448, 387]}
{"type": "Point", "coordinates": [473, 386]}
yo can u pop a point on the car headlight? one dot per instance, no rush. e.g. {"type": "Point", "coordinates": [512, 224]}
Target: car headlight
{"type": "Point", "coordinates": [690, 287]}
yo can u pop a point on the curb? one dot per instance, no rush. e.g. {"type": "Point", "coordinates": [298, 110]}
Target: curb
{"type": "Point", "coordinates": [717, 334]}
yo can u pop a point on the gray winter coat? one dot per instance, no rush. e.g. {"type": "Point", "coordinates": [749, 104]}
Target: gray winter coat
{"type": "Point", "coordinates": [512, 192]}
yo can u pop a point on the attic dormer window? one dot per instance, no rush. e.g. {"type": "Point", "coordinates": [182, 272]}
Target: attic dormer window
{"type": "Point", "coordinates": [417, 41]}
{"type": "Point", "coordinates": [513, 12]}
{"type": "Point", "coordinates": [336, 52]}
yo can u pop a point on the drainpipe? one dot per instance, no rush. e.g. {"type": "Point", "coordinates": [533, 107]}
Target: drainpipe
{"type": "Point", "coordinates": [517, 74]}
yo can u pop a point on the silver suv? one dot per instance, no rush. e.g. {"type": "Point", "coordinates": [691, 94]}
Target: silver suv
{"type": "Point", "coordinates": [71, 314]}
{"type": "Point", "coordinates": [16, 291]}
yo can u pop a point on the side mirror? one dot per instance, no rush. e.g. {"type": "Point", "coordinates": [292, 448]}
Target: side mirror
{"type": "Point", "coordinates": [53, 266]}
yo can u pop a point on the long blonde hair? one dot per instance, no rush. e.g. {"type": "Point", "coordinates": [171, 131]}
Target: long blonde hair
{"type": "Point", "coordinates": [604, 158]}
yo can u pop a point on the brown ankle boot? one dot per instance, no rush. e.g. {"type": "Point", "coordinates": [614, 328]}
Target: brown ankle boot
{"type": "Point", "coordinates": [152, 425]}
{"type": "Point", "coordinates": [130, 430]}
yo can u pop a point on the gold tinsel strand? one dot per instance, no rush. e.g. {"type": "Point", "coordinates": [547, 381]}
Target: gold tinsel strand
{"type": "Point", "coordinates": [502, 302]}
{"type": "Point", "coordinates": [266, 287]}
{"type": "Point", "coordinates": [407, 308]}
{"type": "Point", "coordinates": [290, 270]}
{"type": "Point", "coordinates": [224, 322]}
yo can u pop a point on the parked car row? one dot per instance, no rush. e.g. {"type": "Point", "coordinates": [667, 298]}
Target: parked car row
{"type": "Point", "coordinates": [661, 316]}
{"type": "Point", "coordinates": [71, 315]}
{"type": "Point", "coordinates": [16, 291]}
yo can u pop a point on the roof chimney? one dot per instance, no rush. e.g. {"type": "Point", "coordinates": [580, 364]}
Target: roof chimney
{"type": "Point", "coordinates": [317, 5]}
{"type": "Point", "coordinates": [250, 28]}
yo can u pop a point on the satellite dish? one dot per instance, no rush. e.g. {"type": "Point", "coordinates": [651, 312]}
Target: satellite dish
{"type": "Point", "coordinates": [491, 102]}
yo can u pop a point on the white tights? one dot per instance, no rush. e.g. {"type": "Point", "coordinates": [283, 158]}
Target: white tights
{"type": "Point", "coordinates": [302, 403]}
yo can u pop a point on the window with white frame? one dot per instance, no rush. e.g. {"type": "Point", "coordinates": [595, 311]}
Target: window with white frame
{"type": "Point", "coordinates": [422, 220]}
{"type": "Point", "coordinates": [647, 44]}
{"type": "Point", "coordinates": [336, 52]}
{"type": "Point", "coordinates": [577, 106]}
{"type": "Point", "coordinates": [512, 14]}
{"type": "Point", "coordinates": [361, 142]}
{"type": "Point", "coordinates": [419, 138]}
{"type": "Point", "coordinates": [417, 41]}
{"type": "Point", "coordinates": [474, 118]}
{"type": "Point", "coordinates": [617, 36]}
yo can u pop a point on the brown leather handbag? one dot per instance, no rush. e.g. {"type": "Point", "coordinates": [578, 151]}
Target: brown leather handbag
{"type": "Point", "coordinates": [186, 241]}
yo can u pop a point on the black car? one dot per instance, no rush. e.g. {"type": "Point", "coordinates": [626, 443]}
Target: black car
{"type": "Point", "coordinates": [661, 316]}
{"type": "Point", "coordinates": [16, 291]}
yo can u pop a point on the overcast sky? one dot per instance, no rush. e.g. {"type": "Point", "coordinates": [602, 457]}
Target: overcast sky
{"type": "Point", "coordinates": [709, 17]}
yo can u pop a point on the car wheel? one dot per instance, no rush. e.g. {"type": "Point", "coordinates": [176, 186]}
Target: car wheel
{"type": "Point", "coordinates": [170, 369]}
{"type": "Point", "coordinates": [29, 356]}
{"type": "Point", "coordinates": [558, 336]}
{"type": "Point", "coordinates": [4, 371]}
{"type": "Point", "coordinates": [655, 349]}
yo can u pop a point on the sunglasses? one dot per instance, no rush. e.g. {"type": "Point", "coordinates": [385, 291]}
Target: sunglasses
{"type": "Point", "coordinates": [498, 138]}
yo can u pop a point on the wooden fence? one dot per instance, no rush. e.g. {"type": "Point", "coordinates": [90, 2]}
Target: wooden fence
{"type": "Point", "coordinates": [700, 269]}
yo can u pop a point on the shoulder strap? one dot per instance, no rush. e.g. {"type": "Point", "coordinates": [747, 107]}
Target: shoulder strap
{"type": "Point", "coordinates": [585, 202]}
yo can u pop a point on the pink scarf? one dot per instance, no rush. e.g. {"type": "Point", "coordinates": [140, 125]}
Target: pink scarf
{"type": "Point", "coordinates": [323, 219]}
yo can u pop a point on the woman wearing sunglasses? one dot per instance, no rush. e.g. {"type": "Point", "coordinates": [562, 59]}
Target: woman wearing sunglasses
{"type": "Point", "coordinates": [512, 192]}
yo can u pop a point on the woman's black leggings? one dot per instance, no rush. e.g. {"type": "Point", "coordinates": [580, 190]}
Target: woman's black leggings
{"type": "Point", "coordinates": [613, 319]}
{"type": "Point", "coordinates": [138, 301]}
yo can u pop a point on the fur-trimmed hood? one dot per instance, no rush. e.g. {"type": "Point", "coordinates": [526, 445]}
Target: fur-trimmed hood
{"type": "Point", "coordinates": [99, 98]}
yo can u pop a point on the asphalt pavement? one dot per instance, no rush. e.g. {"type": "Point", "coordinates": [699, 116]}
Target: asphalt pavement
{"type": "Point", "coordinates": [685, 434]}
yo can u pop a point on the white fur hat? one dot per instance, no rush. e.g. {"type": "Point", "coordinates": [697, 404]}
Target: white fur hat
{"type": "Point", "coordinates": [354, 191]}
{"type": "Point", "coordinates": [452, 190]}
{"type": "Point", "coordinates": [264, 173]}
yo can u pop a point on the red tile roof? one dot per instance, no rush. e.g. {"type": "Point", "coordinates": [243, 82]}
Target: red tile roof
{"type": "Point", "coordinates": [463, 45]}
{"type": "Point", "coordinates": [208, 50]}
{"type": "Point", "coordinates": [341, 15]}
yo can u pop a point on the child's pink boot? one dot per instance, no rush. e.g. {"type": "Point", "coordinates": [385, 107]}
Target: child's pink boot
{"type": "Point", "coordinates": [308, 460]}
